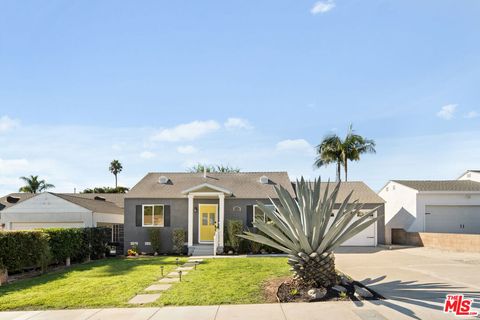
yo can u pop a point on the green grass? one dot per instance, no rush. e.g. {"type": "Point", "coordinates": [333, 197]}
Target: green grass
{"type": "Point", "coordinates": [101, 283]}
{"type": "Point", "coordinates": [112, 282]}
{"type": "Point", "coordinates": [225, 281]}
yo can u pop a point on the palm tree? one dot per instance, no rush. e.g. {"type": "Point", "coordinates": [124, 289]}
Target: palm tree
{"type": "Point", "coordinates": [330, 151]}
{"type": "Point", "coordinates": [33, 185]}
{"type": "Point", "coordinates": [301, 228]}
{"type": "Point", "coordinates": [335, 150]}
{"type": "Point", "coordinates": [353, 146]}
{"type": "Point", "coordinates": [115, 168]}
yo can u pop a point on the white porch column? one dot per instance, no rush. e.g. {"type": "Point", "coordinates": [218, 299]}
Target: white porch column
{"type": "Point", "coordinates": [190, 220]}
{"type": "Point", "coordinates": [221, 198]}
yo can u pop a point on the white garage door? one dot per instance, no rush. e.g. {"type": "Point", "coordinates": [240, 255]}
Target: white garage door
{"type": "Point", "coordinates": [39, 225]}
{"type": "Point", "coordinates": [452, 219]}
{"type": "Point", "coordinates": [366, 238]}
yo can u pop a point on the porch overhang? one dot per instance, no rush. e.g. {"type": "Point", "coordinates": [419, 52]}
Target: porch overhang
{"type": "Point", "coordinates": [207, 188]}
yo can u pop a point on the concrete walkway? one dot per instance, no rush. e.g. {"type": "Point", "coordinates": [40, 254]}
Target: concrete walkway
{"type": "Point", "coordinates": [292, 311]}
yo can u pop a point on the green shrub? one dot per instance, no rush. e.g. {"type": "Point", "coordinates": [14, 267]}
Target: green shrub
{"type": "Point", "coordinates": [154, 236]}
{"type": "Point", "coordinates": [234, 228]}
{"type": "Point", "coordinates": [97, 240]}
{"type": "Point", "coordinates": [32, 249]}
{"type": "Point", "coordinates": [178, 240]}
{"type": "Point", "coordinates": [65, 243]}
{"type": "Point", "coordinates": [22, 249]}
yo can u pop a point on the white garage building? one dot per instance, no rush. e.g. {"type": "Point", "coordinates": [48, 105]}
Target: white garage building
{"type": "Point", "coordinates": [441, 206]}
{"type": "Point", "coordinates": [50, 210]}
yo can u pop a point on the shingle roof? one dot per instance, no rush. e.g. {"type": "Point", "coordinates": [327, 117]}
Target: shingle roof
{"type": "Point", "coordinates": [93, 205]}
{"type": "Point", "coordinates": [14, 198]}
{"type": "Point", "coordinates": [84, 200]}
{"type": "Point", "coordinates": [117, 198]}
{"type": "Point", "coordinates": [441, 185]}
{"type": "Point", "coordinates": [243, 185]}
{"type": "Point", "coordinates": [361, 192]}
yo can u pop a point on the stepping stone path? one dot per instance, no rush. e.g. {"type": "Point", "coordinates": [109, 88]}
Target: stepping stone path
{"type": "Point", "coordinates": [158, 287]}
{"type": "Point", "coordinates": [144, 298]}
{"type": "Point", "coordinates": [164, 283]}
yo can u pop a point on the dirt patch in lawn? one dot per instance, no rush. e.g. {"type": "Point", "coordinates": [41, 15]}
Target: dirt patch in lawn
{"type": "Point", "coordinates": [270, 289]}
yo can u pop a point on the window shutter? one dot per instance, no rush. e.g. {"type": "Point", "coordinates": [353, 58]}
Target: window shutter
{"type": "Point", "coordinates": [249, 216]}
{"type": "Point", "coordinates": [138, 216]}
{"type": "Point", "coordinates": [166, 216]}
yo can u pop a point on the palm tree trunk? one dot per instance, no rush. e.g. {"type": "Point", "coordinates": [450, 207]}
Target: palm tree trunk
{"type": "Point", "coordinates": [346, 169]}
{"type": "Point", "coordinates": [339, 170]}
{"type": "Point", "coordinates": [115, 181]}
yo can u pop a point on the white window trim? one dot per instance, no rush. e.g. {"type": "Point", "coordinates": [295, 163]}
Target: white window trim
{"type": "Point", "coordinates": [256, 206]}
{"type": "Point", "coordinates": [153, 215]}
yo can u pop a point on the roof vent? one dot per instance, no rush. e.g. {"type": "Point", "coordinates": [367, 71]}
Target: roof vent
{"type": "Point", "coordinates": [264, 180]}
{"type": "Point", "coordinates": [163, 180]}
{"type": "Point", "coordinates": [99, 198]}
{"type": "Point", "coordinates": [12, 199]}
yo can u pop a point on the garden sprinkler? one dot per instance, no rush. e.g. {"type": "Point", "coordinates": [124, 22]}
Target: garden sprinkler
{"type": "Point", "coordinates": [161, 268]}
{"type": "Point", "coordinates": [180, 275]}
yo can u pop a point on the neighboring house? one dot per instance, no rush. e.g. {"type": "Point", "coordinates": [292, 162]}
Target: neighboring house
{"type": "Point", "coordinates": [198, 202]}
{"type": "Point", "coordinates": [443, 206]}
{"type": "Point", "coordinates": [24, 211]}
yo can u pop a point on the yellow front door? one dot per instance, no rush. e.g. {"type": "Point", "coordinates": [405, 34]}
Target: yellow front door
{"type": "Point", "coordinates": [208, 219]}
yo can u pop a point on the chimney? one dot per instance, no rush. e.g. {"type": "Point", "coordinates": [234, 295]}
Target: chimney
{"type": "Point", "coordinates": [205, 172]}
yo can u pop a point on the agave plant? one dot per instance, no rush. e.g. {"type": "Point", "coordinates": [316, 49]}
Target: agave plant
{"type": "Point", "coordinates": [309, 228]}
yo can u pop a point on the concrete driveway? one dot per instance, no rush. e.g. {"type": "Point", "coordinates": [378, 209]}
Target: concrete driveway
{"type": "Point", "coordinates": [413, 279]}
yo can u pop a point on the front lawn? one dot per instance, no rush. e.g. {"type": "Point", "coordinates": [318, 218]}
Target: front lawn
{"type": "Point", "coordinates": [226, 281]}
{"type": "Point", "coordinates": [112, 282]}
{"type": "Point", "coordinates": [101, 283]}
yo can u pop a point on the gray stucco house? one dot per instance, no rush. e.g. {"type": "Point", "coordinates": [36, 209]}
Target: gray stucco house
{"type": "Point", "coordinates": [197, 202]}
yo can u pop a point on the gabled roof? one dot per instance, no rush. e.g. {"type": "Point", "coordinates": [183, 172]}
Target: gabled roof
{"type": "Point", "coordinates": [207, 186]}
{"type": "Point", "coordinates": [87, 202]}
{"type": "Point", "coordinates": [242, 185]}
{"type": "Point", "coordinates": [101, 206]}
{"type": "Point", "coordinates": [441, 185]}
{"type": "Point", "coordinates": [361, 192]}
{"type": "Point", "coordinates": [14, 198]}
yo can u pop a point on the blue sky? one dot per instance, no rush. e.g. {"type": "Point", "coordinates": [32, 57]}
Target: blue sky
{"type": "Point", "coordinates": [161, 85]}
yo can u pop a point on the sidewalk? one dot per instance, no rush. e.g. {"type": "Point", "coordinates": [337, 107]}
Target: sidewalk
{"type": "Point", "coordinates": [378, 310]}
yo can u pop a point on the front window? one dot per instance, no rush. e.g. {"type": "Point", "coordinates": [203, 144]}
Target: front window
{"type": "Point", "coordinates": [153, 215]}
{"type": "Point", "coordinates": [258, 214]}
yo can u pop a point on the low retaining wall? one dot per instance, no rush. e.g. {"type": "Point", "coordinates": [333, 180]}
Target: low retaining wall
{"type": "Point", "coordinates": [444, 241]}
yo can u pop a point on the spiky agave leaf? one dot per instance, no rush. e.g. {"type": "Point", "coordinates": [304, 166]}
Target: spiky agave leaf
{"type": "Point", "coordinates": [302, 228]}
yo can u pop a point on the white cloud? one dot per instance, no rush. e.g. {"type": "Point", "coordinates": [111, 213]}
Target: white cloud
{"type": "Point", "coordinates": [13, 165]}
{"type": "Point", "coordinates": [187, 132]}
{"type": "Point", "coordinates": [472, 114]}
{"type": "Point", "coordinates": [447, 111]}
{"type": "Point", "coordinates": [237, 123]}
{"type": "Point", "coordinates": [147, 155]}
{"type": "Point", "coordinates": [298, 145]}
{"type": "Point", "coordinates": [186, 149]}
{"type": "Point", "coordinates": [7, 123]}
{"type": "Point", "coordinates": [322, 6]}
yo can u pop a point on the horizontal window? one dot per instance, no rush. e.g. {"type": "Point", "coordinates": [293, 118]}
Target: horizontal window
{"type": "Point", "coordinates": [153, 215]}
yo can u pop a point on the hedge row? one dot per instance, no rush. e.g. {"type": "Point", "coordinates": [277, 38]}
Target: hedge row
{"type": "Point", "coordinates": [32, 249]}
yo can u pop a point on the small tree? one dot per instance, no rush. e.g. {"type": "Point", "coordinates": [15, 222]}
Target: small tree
{"type": "Point", "coordinates": [234, 228]}
{"type": "Point", "coordinates": [154, 235]}
{"type": "Point", "coordinates": [178, 239]}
